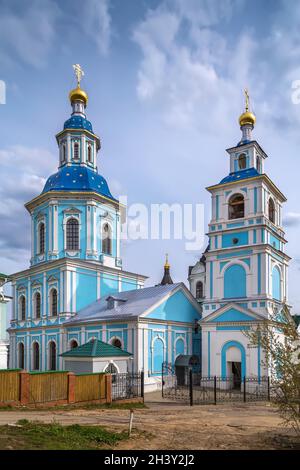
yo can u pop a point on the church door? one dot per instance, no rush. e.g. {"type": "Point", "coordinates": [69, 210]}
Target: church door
{"type": "Point", "coordinates": [237, 374]}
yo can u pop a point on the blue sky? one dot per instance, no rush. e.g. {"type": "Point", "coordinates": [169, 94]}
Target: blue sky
{"type": "Point", "coordinates": [165, 81]}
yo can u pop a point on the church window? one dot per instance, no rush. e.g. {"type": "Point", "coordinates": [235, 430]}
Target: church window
{"type": "Point", "coordinates": [199, 290]}
{"type": "Point", "coordinates": [72, 234]}
{"type": "Point", "coordinates": [242, 161]}
{"type": "Point", "coordinates": [271, 210]}
{"type": "Point", "coordinates": [236, 207]}
{"type": "Point", "coordinates": [76, 150]}
{"type": "Point", "coordinates": [258, 164]}
{"type": "Point", "coordinates": [63, 153]}
{"type": "Point", "coordinates": [276, 283]}
{"type": "Point", "coordinates": [106, 239]}
{"type": "Point", "coordinates": [53, 302]}
{"type": "Point", "coordinates": [22, 307]}
{"type": "Point", "coordinates": [35, 356]}
{"type": "Point", "coordinates": [111, 369]}
{"type": "Point", "coordinates": [90, 159]}
{"type": "Point", "coordinates": [21, 355]}
{"type": "Point", "coordinates": [117, 343]}
{"type": "Point", "coordinates": [235, 282]}
{"type": "Point", "coordinates": [73, 344]}
{"type": "Point", "coordinates": [42, 238]}
{"type": "Point", "coordinates": [37, 305]}
{"type": "Point", "coordinates": [52, 355]}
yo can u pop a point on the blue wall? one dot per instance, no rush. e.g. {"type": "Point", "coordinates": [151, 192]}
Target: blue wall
{"type": "Point", "coordinates": [234, 282]}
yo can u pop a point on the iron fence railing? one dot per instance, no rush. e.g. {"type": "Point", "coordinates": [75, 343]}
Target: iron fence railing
{"type": "Point", "coordinates": [127, 385]}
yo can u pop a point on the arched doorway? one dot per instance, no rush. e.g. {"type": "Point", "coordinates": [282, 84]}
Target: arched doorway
{"type": "Point", "coordinates": [233, 362]}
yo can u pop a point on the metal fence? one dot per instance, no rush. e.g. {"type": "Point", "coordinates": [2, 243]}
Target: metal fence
{"type": "Point", "coordinates": [194, 389]}
{"type": "Point", "coordinates": [128, 385]}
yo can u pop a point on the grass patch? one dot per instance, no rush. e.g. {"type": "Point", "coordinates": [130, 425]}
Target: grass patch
{"type": "Point", "coordinates": [88, 406]}
{"type": "Point", "coordinates": [54, 436]}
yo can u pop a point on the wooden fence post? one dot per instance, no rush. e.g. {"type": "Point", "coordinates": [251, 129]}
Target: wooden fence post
{"type": "Point", "coordinates": [71, 387]}
{"type": "Point", "coordinates": [108, 388]}
{"type": "Point", "coordinates": [24, 387]}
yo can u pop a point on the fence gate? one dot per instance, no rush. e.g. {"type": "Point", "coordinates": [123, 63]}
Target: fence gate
{"type": "Point", "coordinates": [127, 385]}
{"type": "Point", "coordinates": [194, 389]}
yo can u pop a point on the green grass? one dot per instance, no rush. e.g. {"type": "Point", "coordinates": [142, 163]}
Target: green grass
{"type": "Point", "coordinates": [35, 435]}
{"type": "Point", "coordinates": [88, 406]}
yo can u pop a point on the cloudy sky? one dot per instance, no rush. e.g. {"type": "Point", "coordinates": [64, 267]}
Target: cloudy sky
{"type": "Point", "coordinates": [165, 81]}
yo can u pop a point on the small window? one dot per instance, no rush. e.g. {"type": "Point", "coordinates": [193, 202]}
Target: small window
{"type": "Point", "coordinates": [242, 161]}
{"type": "Point", "coordinates": [53, 302]}
{"type": "Point", "coordinates": [111, 369]}
{"type": "Point", "coordinates": [52, 355]}
{"type": "Point", "coordinates": [63, 158]}
{"type": "Point", "coordinates": [117, 343]}
{"type": "Point", "coordinates": [90, 154]}
{"type": "Point", "coordinates": [73, 344]}
{"type": "Point", "coordinates": [76, 150]}
{"type": "Point", "coordinates": [106, 239]}
{"type": "Point", "coordinates": [236, 207]}
{"type": "Point", "coordinates": [271, 210]}
{"type": "Point", "coordinates": [21, 355]}
{"type": "Point", "coordinates": [37, 305]}
{"type": "Point", "coordinates": [41, 238]}
{"type": "Point", "coordinates": [258, 167]}
{"type": "Point", "coordinates": [35, 356]}
{"type": "Point", "coordinates": [72, 234]}
{"type": "Point", "coordinates": [22, 307]}
{"type": "Point", "coordinates": [199, 290]}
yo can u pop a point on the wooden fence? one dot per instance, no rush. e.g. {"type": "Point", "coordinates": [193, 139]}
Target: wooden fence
{"type": "Point", "coordinates": [18, 387]}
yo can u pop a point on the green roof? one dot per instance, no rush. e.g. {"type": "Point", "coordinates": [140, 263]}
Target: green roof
{"type": "Point", "coordinates": [4, 276]}
{"type": "Point", "coordinates": [96, 348]}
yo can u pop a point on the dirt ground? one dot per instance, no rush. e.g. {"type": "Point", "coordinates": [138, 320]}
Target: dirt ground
{"type": "Point", "coordinates": [166, 425]}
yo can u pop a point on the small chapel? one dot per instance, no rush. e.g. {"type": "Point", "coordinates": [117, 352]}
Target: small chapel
{"type": "Point", "coordinates": [241, 278]}
{"type": "Point", "coordinates": [76, 290]}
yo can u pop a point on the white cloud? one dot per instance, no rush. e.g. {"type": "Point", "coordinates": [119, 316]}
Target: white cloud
{"type": "Point", "coordinates": [96, 22]}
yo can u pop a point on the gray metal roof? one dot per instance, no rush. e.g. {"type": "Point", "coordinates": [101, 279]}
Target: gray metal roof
{"type": "Point", "coordinates": [135, 303]}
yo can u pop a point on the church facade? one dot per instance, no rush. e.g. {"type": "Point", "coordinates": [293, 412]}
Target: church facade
{"type": "Point", "coordinates": [241, 278]}
{"type": "Point", "coordinates": [76, 260]}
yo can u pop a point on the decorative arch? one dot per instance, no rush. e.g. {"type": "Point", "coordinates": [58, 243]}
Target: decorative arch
{"type": "Point", "coordinates": [106, 236]}
{"type": "Point", "coordinates": [21, 355]}
{"type": "Point", "coordinates": [116, 341]}
{"type": "Point", "coordinates": [236, 206]}
{"type": "Point", "coordinates": [276, 283]}
{"type": "Point", "coordinates": [271, 210]}
{"type": "Point", "coordinates": [72, 234]}
{"type": "Point", "coordinates": [158, 353]}
{"type": "Point", "coordinates": [52, 355]}
{"type": "Point", "coordinates": [180, 346]}
{"type": "Point", "coordinates": [225, 347]}
{"type": "Point", "coordinates": [35, 355]}
{"type": "Point", "coordinates": [235, 281]}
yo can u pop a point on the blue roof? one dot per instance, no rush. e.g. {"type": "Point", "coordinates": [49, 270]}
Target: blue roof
{"type": "Point", "coordinates": [78, 122]}
{"type": "Point", "coordinates": [240, 175]}
{"type": "Point", "coordinates": [77, 178]}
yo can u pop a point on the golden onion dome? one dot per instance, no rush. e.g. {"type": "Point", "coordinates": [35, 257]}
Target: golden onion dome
{"type": "Point", "coordinates": [78, 94]}
{"type": "Point", "coordinates": [247, 118]}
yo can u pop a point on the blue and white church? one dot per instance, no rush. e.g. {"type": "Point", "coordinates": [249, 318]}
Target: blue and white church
{"type": "Point", "coordinates": [241, 278]}
{"type": "Point", "coordinates": [75, 289]}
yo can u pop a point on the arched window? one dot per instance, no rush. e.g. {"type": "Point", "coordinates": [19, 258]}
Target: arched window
{"type": "Point", "coordinates": [158, 355]}
{"type": "Point", "coordinates": [63, 158]}
{"type": "Point", "coordinates": [21, 355]}
{"type": "Point", "coordinates": [106, 239]}
{"type": "Point", "coordinates": [258, 164]}
{"type": "Point", "coordinates": [52, 355]}
{"type": "Point", "coordinates": [35, 356]}
{"type": "Point", "coordinates": [53, 302]}
{"type": "Point", "coordinates": [41, 238]}
{"type": "Point", "coordinates": [179, 349]}
{"type": "Point", "coordinates": [111, 369]}
{"type": "Point", "coordinates": [72, 234]}
{"type": "Point", "coordinates": [236, 207]}
{"type": "Point", "coordinates": [199, 290]}
{"type": "Point", "coordinates": [76, 150]}
{"type": "Point", "coordinates": [90, 157]}
{"type": "Point", "coordinates": [242, 161]}
{"type": "Point", "coordinates": [22, 307]}
{"type": "Point", "coordinates": [37, 305]}
{"type": "Point", "coordinates": [117, 343]}
{"type": "Point", "coordinates": [235, 282]}
{"type": "Point", "coordinates": [271, 210]}
{"type": "Point", "coordinates": [73, 344]}
{"type": "Point", "coordinates": [276, 283]}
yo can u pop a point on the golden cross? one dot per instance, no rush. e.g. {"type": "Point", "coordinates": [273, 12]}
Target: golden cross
{"type": "Point", "coordinates": [247, 99]}
{"type": "Point", "coordinates": [79, 73]}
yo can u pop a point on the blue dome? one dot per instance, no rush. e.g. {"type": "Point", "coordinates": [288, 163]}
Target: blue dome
{"type": "Point", "coordinates": [78, 122]}
{"type": "Point", "coordinates": [240, 175]}
{"type": "Point", "coordinates": [77, 178]}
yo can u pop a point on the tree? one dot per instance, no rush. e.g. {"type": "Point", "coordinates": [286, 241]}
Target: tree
{"type": "Point", "coordinates": [280, 340]}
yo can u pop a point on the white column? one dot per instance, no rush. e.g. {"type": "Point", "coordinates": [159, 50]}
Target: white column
{"type": "Point", "coordinates": [55, 229]}
{"type": "Point", "coordinates": [68, 148]}
{"type": "Point", "coordinates": [88, 228]}
{"type": "Point", "coordinates": [29, 298]}
{"type": "Point", "coordinates": [44, 352]}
